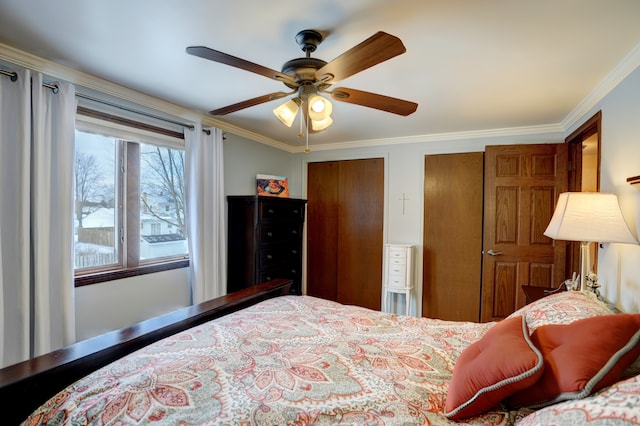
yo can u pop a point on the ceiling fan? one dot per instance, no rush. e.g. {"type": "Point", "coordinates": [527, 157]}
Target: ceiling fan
{"type": "Point", "coordinates": [309, 77]}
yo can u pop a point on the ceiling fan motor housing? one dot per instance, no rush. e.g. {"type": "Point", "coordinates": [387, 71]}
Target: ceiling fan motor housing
{"type": "Point", "coordinates": [308, 40]}
{"type": "Point", "coordinates": [302, 69]}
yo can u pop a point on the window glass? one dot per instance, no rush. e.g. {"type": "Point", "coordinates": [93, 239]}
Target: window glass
{"type": "Point", "coordinates": [162, 202]}
{"type": "Point", "coordinates": [95, 219]}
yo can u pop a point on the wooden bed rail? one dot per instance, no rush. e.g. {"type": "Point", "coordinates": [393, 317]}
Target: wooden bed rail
{"type": "Point", "coordinates": [27, 385]}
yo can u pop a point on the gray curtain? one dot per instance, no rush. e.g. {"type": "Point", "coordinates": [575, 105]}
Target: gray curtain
{"type": "Point", "coordinates": [36, 220]}
{"type": "Point", "coordinates": [204, 167]}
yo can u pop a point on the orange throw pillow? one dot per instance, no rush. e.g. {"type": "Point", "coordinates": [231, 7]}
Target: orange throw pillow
{"type": "Point", "coordinates": [581, 358]}
{"type": "Point", "coordinates": [502, 362]}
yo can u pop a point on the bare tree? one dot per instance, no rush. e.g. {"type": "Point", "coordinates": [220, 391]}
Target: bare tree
{"type": "Point", "coordinates": [163, 182]}
{"type": "Point", "coordinates": [89, 188]}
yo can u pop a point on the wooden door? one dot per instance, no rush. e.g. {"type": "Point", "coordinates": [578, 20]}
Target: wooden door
{"type": "Point", "coordinates": [322, 230]}
{"type": "Point", "coordinates": [345, 231]}
{"type": "Point", "coordinates": [452, 253]}
{"type": "Point", "coordinates": [360, 232]}
{"type": "Point", "coordinates": [522, 184]}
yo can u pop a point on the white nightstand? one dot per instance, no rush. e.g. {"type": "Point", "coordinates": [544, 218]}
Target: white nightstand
{"type": "Point", "coordinates": [397, 274]}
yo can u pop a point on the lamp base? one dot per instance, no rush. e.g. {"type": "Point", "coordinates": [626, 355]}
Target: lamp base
{"type": "Point", "coordinates": [584, 265]}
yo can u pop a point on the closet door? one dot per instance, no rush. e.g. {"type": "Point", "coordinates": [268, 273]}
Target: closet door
{"type": "Point", "coordinates": [360, 243]}
{"type": "Point", "coordinates": [452, 236]}
{"type": "Point", "coordinates": [322, 230]}
{"type": "Point", "coordinates": [344, 231]}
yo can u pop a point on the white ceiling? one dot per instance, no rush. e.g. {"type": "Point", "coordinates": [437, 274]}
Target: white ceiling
{"type": "Point", "coordinates": [471, 65]}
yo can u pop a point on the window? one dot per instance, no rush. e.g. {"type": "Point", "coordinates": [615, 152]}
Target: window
{"type": "Point", "coordinates": [129, 203]}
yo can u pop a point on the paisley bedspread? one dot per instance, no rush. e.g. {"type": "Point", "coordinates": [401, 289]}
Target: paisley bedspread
{"type": "Point", "coordinates": [292, 360]}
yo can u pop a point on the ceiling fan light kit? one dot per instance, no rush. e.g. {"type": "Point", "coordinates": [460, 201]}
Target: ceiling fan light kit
{"type": "Point", "coordinates": [310, 77]}
{"type": "Point", "coordinates": [319, 108]}
{"type": "Point", "coordinates": [319, 125]}
{"type": "Point", "coordinates": [287, 112]}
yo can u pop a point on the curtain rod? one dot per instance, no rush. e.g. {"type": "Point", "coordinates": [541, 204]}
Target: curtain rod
{"type": "Point", "coordinates": [14, 76]}
{"type": "Point", "coordinates": [111, 104]}
{"type": "Point", "coordinates": [10, 74]}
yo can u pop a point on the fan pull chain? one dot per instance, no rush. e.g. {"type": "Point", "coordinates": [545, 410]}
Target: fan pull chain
{"type": "Point", "coordinates": [300, 134]}
{"type": "Point", "coordinates": [306, 150]}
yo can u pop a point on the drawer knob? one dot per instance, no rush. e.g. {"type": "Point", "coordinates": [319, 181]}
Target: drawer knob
{"type": "Point", "coordinates": [269, 257]}
{"type": "Point", "coordinates": [270, 211]}
{"type": "Point", "coordinates": [269, 234]}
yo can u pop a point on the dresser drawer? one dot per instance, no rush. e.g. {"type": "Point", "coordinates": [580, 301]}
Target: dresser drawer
{"type": "Point", "coordinates": [272, 233]}
{"type": "Point", "coordinates": [278, 254]}
{"type": "Point", "coordinates": [397, 254]}
{"type": "Point", "coordinates": [397, 271]}
{"type": "Point", "coordinates": [269, 210]}
{"type": "Point", "coordinates": [283, 272]}
{"type": "Point", "coordinates": [397, 261]}
{"type": "Point", "coordinates": [395, 283]}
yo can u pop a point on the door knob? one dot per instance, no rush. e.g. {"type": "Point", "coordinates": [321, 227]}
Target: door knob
{"type": "Point", "coordinates": [494, 253]}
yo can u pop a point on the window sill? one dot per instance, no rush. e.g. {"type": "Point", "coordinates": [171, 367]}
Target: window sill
{"type": "Point", "coordinates": [94, 278]}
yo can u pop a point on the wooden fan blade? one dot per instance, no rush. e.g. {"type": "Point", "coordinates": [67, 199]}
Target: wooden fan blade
{"type": "Point", "coordinates": [249, 103]}
{"type": "Point", "coordinates": [374, 50]}
{"type": "Point", "coordinates": [224, 58]}
{"type": "Point", "coordinates": [373, 100]}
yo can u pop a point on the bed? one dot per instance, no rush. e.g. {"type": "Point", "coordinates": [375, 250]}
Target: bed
{"type": "Point", "coordinates": [302, 360]}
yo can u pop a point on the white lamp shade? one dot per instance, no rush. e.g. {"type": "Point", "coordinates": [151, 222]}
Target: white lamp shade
{"type": "Point", "coordinates": [319, 108]}
{"type": "Point", "coordinates": [287, 112]}
{"type": "Point", "coordinates": [318, 125]}
{"type": "Point", "coordinates": [589, 217]}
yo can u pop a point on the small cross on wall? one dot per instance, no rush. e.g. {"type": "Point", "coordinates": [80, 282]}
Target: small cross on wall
{"type": "Point", "coordinates": [404, 199]}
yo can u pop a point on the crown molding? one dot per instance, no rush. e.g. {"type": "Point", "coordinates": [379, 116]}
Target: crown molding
{"type": "Point", "coordinates": [626, 66]}
{"type": "Point", "coordinates": [439, 137]}
{"type": "Point", "coordinates": [207, 120]}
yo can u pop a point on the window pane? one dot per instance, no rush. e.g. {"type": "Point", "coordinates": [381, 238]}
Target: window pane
{"type": "Point", "coordinates": [162, 222]}
{"type": "Point", "coordinates": [95, 201]}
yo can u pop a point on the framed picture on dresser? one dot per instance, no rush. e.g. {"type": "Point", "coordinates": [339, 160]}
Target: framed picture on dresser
{"type": "Point", "coordinates": [272, 186]}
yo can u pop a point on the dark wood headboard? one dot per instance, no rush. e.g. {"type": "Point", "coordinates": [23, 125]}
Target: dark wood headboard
{"type": "Point", "coordinates": [27, 385]}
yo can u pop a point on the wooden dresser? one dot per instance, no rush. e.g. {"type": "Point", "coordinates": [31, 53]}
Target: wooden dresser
{"type": "Point", "coordinates": [264, 241]}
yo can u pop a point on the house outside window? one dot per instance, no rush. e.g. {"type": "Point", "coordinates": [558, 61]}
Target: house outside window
{"type": "Point", "coordinates": [155, 229]}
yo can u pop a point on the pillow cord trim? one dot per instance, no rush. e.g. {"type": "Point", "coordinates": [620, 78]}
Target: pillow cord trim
{"type": "Point", "coordinates": [588, 388]}
{"type": "Point", "coordinates": [539, 365]}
